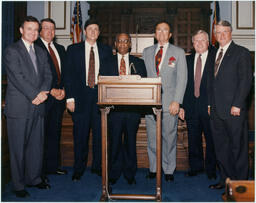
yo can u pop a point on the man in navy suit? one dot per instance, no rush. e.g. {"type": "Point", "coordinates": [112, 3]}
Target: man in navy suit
{"type": "Point", "coordinates": [229, 85]}
{"type": "Point", "coordinates": [55, 104]}
{"type": "Point", "coordinates": [29, 80]}
{"type": "Point", "coordinates": [124, 120]}
{"type": "Point", "coordinates": [195, 104]}
{"type": "Point", "coordinates": [84, 63]}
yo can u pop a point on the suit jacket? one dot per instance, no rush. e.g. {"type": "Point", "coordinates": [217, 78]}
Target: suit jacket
{"type": "Point", "coordinates": [173, 73]}
{"type": "Point", "coordinates": [233, 81]}
{"type": "Point", "coordinates": [189, 102]}
{"type": "Point", "coordinates": [75, 79]}
{"type": "Point", "coordinates": [62, 54]}
{"type": "Point", "coordinates": [111, 68]}
{"type": "Point", "coordinates": [23, 82]}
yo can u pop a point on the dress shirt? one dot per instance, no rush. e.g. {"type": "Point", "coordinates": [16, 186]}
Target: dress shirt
{"type": "Point", "coordinates": [165, 46]}
{"type": "Point", "coordinates": [27, 45]}
{"type": "Point", "coordinates": [96, 58]}
{"type": "Point", "coordinates": [54, 50]}
{"type": "Point", "coordinates": [224, 51]}
{"type": "Point", "coordinates": [126, 59]}
{"type": "Point", "coordinates": [203, 58]}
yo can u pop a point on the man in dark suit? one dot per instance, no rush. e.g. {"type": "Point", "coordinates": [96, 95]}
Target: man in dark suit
{"type": "Point", "coordinates": [195, 104]}
{"type": "Point", "coordinates": [55, 104]}
{"type": "Point", "coordinates": [84, 63]}
{"type": "Point", "coordinates": [229, 85]}
{"type": "Point", "coordinates": [124, 120]}
{"type": "Point", "coordinates": [29, 81]}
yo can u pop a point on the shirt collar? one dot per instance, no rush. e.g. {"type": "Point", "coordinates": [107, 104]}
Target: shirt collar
{"type": "Point", "coordinates": [226, 46]}
{"type": "Point", "coordinates": [27, 45]}
{"type": "Point", "coordinates": [164, 46]}
{"type": "Point", "coordinates": [89, 45]}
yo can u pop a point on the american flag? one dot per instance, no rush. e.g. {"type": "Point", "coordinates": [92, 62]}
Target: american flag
{"type": "Point", "coordinates": [216, 18]}
{"type": "Point", "coordinates": [76, 32]}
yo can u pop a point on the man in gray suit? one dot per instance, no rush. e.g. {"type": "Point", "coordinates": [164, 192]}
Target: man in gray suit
{"type": "Point", "coordinates": [168, 62]}
{"type": "Point", "coordinates": [29, 81]}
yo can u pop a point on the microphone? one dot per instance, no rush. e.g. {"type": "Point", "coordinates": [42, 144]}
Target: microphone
{"type": "Point", "coordinates": [132, 66]}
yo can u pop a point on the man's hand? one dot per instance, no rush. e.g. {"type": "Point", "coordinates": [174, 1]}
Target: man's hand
{"type": "Point", "coordinates": [71, 106]}
{"type": "Point", "coordinates": [174, 108]}
{"type": "Point", "coordinates": [40, 98]}
{"type": "Point", "coordinates": [209, 110]}
{"type": "Point", "coordinates": [235, 111]}
{"type": "Point", "coordinates": [182, 114]}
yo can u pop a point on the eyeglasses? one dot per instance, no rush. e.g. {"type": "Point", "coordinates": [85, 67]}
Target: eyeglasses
{"type": "Point", "coordinates": [223, 32]}
{"type": "Point", "coordinates": [125, 41]}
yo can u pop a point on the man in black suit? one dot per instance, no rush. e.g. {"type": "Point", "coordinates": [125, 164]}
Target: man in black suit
{"type": "Point", "coordinates": [229, 85]}
{"type": "Point", "coordinates": [84, 63]}
{"type": "Point", "coordinates": [195, 104]}
{"type": "Point", "coordinates": [29, 81]}
{"type": "Point", "coordinates": [124, 120]}
{"type": "Point", "coordinates": [55, 104]}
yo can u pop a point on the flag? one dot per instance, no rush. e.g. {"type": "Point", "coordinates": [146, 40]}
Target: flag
{"type": "Point", "coordinates": [216, 18]}
{"type": "Point", "coordinates": [76, 32]}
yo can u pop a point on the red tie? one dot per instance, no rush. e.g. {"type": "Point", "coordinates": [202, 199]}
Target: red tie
{"type": "Point", "coordinates": [158, 58]}
{"type": "Point", "coordinates": [198, 76]}
{"type": "Point", "coordinates": [55, 62]}
{"type": "Point", "coordinates": [91, 74]}
{"type": "Point", "coordinates": [122, 67]}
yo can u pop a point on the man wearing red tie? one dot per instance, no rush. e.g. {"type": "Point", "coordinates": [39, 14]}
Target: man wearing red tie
{"type": "Point", "coordinates": [229, 85]}
{"type": "Point", "coordinates": [124, 120]}
{"type": "Point", "coordinates": [55, 105]}
{"type": "Point", "coordinates": [85, 62]}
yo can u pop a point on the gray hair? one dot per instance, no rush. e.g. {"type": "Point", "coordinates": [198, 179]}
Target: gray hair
{"type": "Point", "coordinates": [200, 32]}
{"type": "Point", "coordinates": [223, 23]}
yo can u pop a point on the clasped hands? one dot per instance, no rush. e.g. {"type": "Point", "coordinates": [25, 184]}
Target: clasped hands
{"type": "Point", "coordinates": [58, 94]}
{"type": "Point", "coordinates": [40, 98]}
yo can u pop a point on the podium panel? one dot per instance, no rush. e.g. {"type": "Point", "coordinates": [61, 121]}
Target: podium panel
{"type": "Point", "coordinates": [129, 90]}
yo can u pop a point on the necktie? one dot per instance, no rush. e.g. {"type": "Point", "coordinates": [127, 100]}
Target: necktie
{"type": "Point", "coordinates": [33, 58]}
{"type": "Point", "coordinates": [198, 76]}
{"type": "Point", "coordinates": [217, 62]}
{"type": "Point", "coordinates": [55, 62]}
{"type": "Point", "coordinates": [122, 67]}
{"type": "Point", "coordinates": [91, 74]}
{"type": "Point", "coordinates": [158, 58]}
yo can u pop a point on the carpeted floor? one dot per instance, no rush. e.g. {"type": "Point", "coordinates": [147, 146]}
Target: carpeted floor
{"type": "Point", "coordinates": [63, 189]}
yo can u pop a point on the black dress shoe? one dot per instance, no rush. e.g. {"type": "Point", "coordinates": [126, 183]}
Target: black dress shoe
{"type": "Point", "coordinates": [211, 176]}
{"type": "Point", "coordinates": [112, 181]}
{"type": "Point", "coordinates": [217, 186]}
{"type": "Point", "coordinates": [131, 181]}
{"type": "Point", "coordinates": [151, 175]}
{"type": "Point", "coordinates": [61, 172]}
{"type": "Point", "coordinates": [21, 193]}
{"type": "Point", "coordinates": [45, 179]}
{"type": "Point", "coordinates": [43, 185]}
{"type": "Point", "coordinates": [96, 171]}
{"type": "Point", "coordinates": [76, 177]}
{"type": "Point", "coordinates": [169, 177]}
{"type": "Point", "coordinates": [191, 173]}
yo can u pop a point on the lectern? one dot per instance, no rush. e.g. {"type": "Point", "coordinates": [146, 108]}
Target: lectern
{"type": "Point", "coordinates": [129, 90]}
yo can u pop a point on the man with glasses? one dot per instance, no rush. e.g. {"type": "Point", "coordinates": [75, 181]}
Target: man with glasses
{"type": "Point", "coordinates": [55, 105]}
{"type": "Point", "coordinates": [229, 85]}
{"type": "Point", "coordinates": [124, 120]}
{"type": "Point", "coordinates": [168, 62]}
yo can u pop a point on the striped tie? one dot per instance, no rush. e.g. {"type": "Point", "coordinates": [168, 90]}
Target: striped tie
{"type": "Point", "coordinates": [158, 58]}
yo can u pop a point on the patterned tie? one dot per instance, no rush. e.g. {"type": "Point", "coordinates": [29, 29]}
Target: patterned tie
{"type": "Point", "coordinates": [198, 76]}
{"type": "Point", "coordinates": [158, 58]}
{"type": "Point", "coordinates": [55, 62]}
{"type": "Point", "coordinates": [91, 74]}
{"type": "Point", "coordinates": [122, 67]}
{"type": "Point", "coordinates": [217, 63]}
{"type": "Point", "coordinates": [33, 57]}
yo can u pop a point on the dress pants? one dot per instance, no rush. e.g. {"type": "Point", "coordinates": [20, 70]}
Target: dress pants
{"type": "Point", "coordinates": [26, 139]}
{"type": "Point", "coordinates": [53, 124]}
{"type": "Point", "coordinates": [230, 136]}
{"type": "Point", "coordinates": [196, 125]}
{"type": "Point", "coordinates": [83, 121]}
{"type": "Point", "coordinates": [123, 128]}
{"type": "Point", "coordinates": [169, 138]}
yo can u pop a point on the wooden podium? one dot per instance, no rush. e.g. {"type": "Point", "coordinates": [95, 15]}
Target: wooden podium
{"type": "Point", "coordinates": [129, 90]}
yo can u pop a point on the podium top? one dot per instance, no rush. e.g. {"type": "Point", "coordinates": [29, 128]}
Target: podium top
{"type": "Point", "coordinates": [129, 90]}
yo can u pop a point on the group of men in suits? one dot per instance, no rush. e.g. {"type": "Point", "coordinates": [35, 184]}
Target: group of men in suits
{"type": "Point", "coordinates": [42, 77]}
